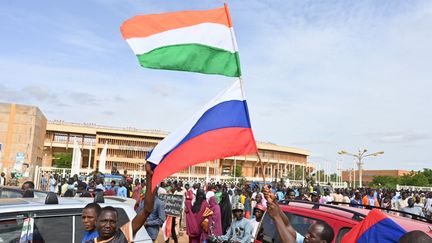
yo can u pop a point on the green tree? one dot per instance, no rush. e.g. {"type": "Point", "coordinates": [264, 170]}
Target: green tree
{"type": "Point", "coordinates": [62, 160]}
{"type": "Point", "coordinates": [420, 179]}
{"type": "Point", "coordinates": [384, 182]}
{"type": "Point", "coordinates": [238, 171]}
{"type": "Point", "coordinates": [428, 174]}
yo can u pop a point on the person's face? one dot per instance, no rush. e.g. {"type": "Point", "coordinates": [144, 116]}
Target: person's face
{"type": "Point", "coordinates": [315, 198]}
{"type": "Point", "coordinates": [314, 234]}
{"type": "Point", "coordinates": [258, 214]}
{"type": "Point", "coordinates": [107, 224]}
{"type": "Point", "coordinates": [25, 187]}
{"type": "Point", "coordinates": [238, 214]}
{"type": "Point", "coordinates": [410, 202]}
{"type": "Point", "coordinates": [258, 198]}
{"type": "Point", "coordinates": [358, 196]}
{"type": "Point", "coordinates": [291, 195]}
{"type": "Point", "coordinates": [404, 195]}
{"type": "Point", "coordinates": [89, 218]}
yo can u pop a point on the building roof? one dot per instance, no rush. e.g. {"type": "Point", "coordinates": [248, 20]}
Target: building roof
{"type": "Point", "coordinates": [92, 129]}
{"type": "Point", "coordinates": [275, 147]}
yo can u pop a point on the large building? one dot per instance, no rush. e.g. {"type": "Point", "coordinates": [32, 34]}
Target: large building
{"type": "Point", "coordinates": [128, 147]}
{"type": "Point", "coordinates": [22, 133]}
{"type": "Point", "coordinates": [27, 138]}
{"type": "Point", "coordinates": [353, 175]}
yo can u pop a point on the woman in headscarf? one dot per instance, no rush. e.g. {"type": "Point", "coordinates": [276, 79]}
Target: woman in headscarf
{"type": "Point", "coordinates": [215, 224]}
{"type": "Point", "coordinates": [226, 213]}
{"type": "Point", "coordinates": [195, 216]}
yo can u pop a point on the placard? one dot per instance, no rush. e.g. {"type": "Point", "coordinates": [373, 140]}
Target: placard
{"type": "Point", "coordinates": [173, 204]}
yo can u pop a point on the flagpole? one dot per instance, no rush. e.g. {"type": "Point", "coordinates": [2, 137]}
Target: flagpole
{"type": "Point", "coordinates": [234, 43]}
{"type": "Point", "coordinates": [262, 167]}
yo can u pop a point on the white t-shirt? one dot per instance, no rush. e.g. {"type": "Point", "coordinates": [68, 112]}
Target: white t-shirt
{"type": "Point", "coordinates": [299, 238]}
{"type": "Point", "coordinates": [255, 225]}
{"type": "Point", "coordinates": [209, 194]}
{"type": "Point", "coordinates": [428, 205]}
{"type": "Point", "coordinates": [161, 190]}
{"type": "Point", "coordinates": [101, 187]}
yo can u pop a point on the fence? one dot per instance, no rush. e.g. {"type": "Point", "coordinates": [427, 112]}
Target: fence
{"type": "Point", "coordinates": [414, 188]}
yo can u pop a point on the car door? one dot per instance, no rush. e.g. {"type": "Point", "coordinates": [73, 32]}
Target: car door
{"type": "Point", "coordinates": [54, 225]}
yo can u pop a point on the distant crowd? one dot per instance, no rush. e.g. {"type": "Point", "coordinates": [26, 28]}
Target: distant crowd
{"type": "Point", "coordinates": [216, 212]}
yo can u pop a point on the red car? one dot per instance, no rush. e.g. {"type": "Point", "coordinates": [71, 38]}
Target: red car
{"type": "Point", "coordinates": [302, 214]}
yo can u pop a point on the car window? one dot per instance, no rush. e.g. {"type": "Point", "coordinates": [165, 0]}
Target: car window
{"type": "Point", "coordinates": [267, 232]}
{"type": "Point", "coordinates": [4, 193]}
{"type": "Point", "coordinates": [341, 233]}
{"type": "Point", "coordinates": [10, 229]}
{"type": "Point", "coordinates": [79, 228]}
{"type": "Point", "coordinates": [53, 229]}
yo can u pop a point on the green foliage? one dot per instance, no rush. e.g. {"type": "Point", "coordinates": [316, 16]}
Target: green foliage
{"type": "Point", "coordinates": [428, 174]}
{"type": "Point", "coordinates": [385, 182]}
{"type": "Point", "coordinates": [413, 178]}
{"type": "Point", "coordinates": [238, 171]}
{"type": "Point", "coordinates": [62, 160]}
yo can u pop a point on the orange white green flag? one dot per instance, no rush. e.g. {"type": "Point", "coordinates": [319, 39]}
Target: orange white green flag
{"type": "Point", "coordinates": [194, 41]}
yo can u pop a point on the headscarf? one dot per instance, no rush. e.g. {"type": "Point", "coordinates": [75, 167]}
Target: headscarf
{"type": "Point", "coordinates": [215, 219]}
{"type": "Point", "coordinates": [200, 197]}
{"type": "Point", "coordinates": [226, 213]}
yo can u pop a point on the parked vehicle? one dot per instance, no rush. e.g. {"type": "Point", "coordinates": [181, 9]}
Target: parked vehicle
{"type": "Point", "coordinates": [59, 222]}
{"type": "Point", "coordinates": [16, 192]}
{"type": "Point", "coordinates": [303, 214]}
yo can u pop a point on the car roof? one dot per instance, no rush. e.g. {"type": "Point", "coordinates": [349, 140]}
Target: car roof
{"type": "Point", "coordinates": [14, 204]}
{"type": "Point", "coordinates": [16, 188]}
{"type": "Point", "coordinates": [343, 213]}
{"type": "Point", "coordinates": [407, 223]}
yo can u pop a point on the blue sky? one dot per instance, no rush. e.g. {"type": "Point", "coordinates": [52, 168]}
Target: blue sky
{"type": "Point", "coordinates": [319, 75]}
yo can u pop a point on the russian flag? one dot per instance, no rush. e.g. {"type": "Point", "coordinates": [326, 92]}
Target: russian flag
{"type": "Point", "coordinates": [376, 227]}
{"type": "Point", "coordinates": [220, 129]}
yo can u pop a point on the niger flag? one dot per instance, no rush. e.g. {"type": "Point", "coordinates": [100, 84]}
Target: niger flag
{"type": "Point", "coordinates": [194, 41]}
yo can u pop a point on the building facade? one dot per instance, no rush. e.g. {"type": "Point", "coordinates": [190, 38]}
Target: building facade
{"type": "Point", "coordinates": [368, 175]}
{"type": "Point", "coordinates": [29, 142]}
{"type": "Point", "coordinates": [22, 134]}
{"type": "Point", "coordinates": [128, 148]}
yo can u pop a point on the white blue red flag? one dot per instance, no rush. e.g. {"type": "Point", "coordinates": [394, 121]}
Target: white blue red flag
{"type": "Point", "coordinates": [376, 227]}
{"type": "Point", "coordinates": [220, 129]}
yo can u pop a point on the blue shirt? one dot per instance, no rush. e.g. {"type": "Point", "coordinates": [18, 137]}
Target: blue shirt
{"type": "Point", "coordinates": [122, 192]}
{"type": "Point", "coordinates": [156, 219]}
{"type": "Point", "coordinates": [90, 235]}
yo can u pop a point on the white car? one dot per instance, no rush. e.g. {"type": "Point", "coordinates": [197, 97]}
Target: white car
{"type": "Point", "coordinates": [56, 223]}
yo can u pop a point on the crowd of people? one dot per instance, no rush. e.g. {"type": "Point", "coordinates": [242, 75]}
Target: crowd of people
{"type": "Point", "coordinates": [232, 212]}
{"type": "Point", "coordinates": [216, 212]}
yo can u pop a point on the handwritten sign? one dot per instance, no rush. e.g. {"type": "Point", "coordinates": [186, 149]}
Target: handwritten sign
{"type": "Point", "coordinates": [173, 204]}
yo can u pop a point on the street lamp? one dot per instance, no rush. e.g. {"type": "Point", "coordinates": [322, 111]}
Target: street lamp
{"type": "Point", "coordinates": [360, 156]}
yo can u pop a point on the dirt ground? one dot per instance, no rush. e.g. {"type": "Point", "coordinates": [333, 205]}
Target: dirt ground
{"type": "Point", "coordinates": [181, 239]}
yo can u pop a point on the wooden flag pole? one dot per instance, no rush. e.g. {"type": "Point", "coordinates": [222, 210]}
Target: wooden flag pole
{"type": "Point", "coordinates": [262, 167]}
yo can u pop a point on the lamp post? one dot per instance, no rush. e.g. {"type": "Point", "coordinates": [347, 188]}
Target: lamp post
{"type": "Point", "coordinates": [360, 156]}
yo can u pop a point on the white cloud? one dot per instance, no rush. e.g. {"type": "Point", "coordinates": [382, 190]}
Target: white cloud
{"type": "Point", "coordinates": [323, 76]}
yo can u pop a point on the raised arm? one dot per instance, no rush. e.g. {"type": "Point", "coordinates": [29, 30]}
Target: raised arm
{"type": "Point", "coordinates": [142, 216]}
{"type": "Point", "coordinates": [285, 230]}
